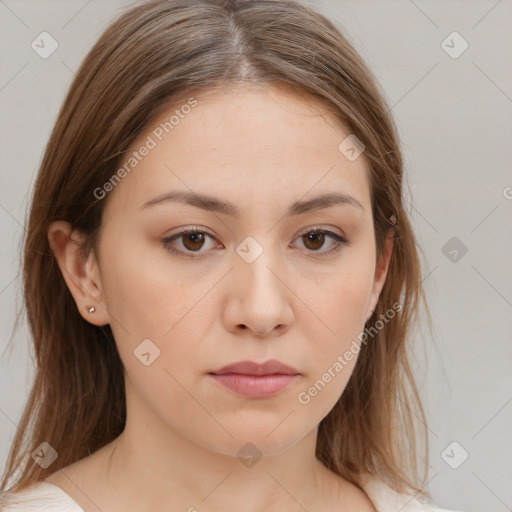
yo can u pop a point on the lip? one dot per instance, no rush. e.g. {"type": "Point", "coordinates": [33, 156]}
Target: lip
{"type": "Point", "coordinates": [269, 367]}
{"type": "Point", "coordinates": [256, 380]}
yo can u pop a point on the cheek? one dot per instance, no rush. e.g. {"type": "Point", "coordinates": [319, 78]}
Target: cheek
{"type": "Point", "coordinates": [146, 294]}
{"type": "Point", "coordinates": [339, 302]}
{"type": "Point", "coordinates": [158, 321]}
{"type": "Point", "coordinates": [150, 298]}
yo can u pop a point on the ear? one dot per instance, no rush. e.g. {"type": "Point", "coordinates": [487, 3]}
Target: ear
{"type": "Point", "coordinates": [381, 272]}
{"type": "Point", "coordinates": [81, 273]}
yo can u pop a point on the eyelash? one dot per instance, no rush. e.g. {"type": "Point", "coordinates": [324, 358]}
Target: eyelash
{"type": "Point", "coordinates": [340, 241]}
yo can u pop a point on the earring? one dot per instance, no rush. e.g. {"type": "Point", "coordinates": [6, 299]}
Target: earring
{"type": "Point", "coordinates": [393, 221]}
{"type": "Point", "coordinates": [91, 309]}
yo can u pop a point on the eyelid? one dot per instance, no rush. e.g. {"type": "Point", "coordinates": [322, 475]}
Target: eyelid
{"type": "Point", "coordinates": [320, 228]}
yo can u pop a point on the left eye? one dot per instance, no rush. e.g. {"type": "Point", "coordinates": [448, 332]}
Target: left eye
{"type": "Point", "coordinates": [193, 240]}
{"type": "Point", "coordinates": [317, 237]}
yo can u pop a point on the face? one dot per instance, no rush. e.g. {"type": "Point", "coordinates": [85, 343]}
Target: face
{"type": "Point", "coordinates": [269, 274]}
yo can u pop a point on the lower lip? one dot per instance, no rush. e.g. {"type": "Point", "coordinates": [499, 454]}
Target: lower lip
{"type": "Point", "coordinates": [253, 386]}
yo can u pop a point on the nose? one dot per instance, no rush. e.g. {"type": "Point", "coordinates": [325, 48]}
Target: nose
{"type": "Point", "coordinates": [259, 298]}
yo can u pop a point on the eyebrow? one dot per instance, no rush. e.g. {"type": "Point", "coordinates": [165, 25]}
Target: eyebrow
{"type": "Point", "coordinates": [215, 204]}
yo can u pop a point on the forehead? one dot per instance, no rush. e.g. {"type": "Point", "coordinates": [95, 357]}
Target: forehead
{"type": "Point", "coordinates": [241, 142]}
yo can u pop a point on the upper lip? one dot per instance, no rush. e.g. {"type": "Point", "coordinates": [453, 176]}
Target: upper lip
{"type": "Point", "coordinates": [271, 367]}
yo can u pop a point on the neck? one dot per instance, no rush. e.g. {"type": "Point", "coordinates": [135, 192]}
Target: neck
{"type": "Point", "coordinates": [158, 471]}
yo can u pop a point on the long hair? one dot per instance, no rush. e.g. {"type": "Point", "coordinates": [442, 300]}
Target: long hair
{"type": "Point", "coordinates": [154, 54]}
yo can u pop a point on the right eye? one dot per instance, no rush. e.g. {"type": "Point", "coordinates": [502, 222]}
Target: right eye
{"type": "Point", "coordinates": [192, 241]}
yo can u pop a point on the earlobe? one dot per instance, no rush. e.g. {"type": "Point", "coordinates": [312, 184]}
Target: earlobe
{"type": "Point", "coordinates": [80, 273]}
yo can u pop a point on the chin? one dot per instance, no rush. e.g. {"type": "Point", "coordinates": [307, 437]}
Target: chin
{"type": "Point", "coordinates": [256, 439]}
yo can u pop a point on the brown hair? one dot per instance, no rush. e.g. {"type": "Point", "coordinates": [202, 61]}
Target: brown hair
{"type": "Point", "coordinates": [153, 54]}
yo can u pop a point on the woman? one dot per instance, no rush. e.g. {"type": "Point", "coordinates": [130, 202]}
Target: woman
{"type": "Point", "coordinates": [220, 275]}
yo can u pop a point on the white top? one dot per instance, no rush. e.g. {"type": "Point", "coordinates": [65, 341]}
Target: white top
{"type": "Point", "coordinates": [51, 498]}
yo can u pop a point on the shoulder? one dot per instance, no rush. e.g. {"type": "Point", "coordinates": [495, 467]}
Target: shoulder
{"type": "Point", "coordinates": [38, 496]}
{"type": "Point", "coordinates": [386, 499]}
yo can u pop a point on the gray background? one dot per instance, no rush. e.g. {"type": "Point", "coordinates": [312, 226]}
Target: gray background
{"type": "Point", "coordinates": [454, 116]}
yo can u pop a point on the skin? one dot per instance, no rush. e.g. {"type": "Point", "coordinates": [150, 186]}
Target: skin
{"type": "Point", "coordinates": [261, 149]}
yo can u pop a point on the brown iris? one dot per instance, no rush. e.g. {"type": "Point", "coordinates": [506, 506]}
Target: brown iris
{"type": "Point", "coordinates": [317, 239]}
{"type": "Point", "coordinates": [197, 241]}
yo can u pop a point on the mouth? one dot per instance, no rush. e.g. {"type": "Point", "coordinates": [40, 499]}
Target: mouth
{"type": "Point", "coordinates": [255, 380]}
